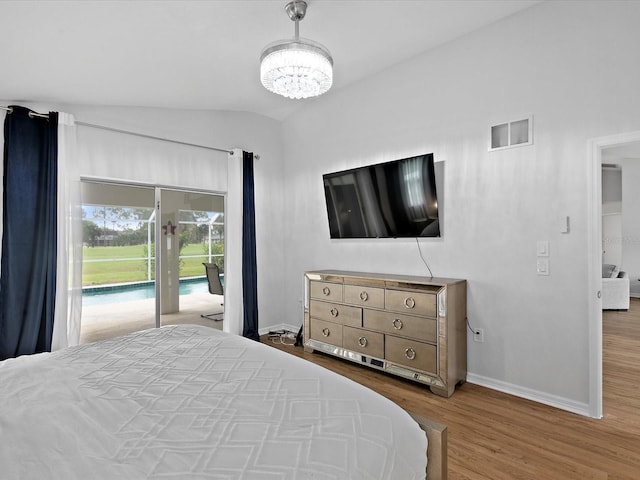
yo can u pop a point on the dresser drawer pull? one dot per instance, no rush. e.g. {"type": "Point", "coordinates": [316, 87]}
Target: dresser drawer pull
{"type": "Point", "coordinates": [397, 324]}
{"type": "Point", "coordinates": [410, 353]}
{"type": "Point", "coordinates": [326, 291]}
{"type": "Point", "coordinates": [364, 296]}
{"type": "Point", "coordinates": [326, 332]}
{"type": "Point", "coordinates": [409, 302]}
{"type": "Point", "coordinates": [334, 312]}
{"type": "Point", "coordinates": [362, 341]}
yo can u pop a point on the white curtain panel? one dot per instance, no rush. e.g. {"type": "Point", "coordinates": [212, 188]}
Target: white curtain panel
{"type": "Point", "coordinates": [233, 311]}
{"type": "Point", "coordinates": [68, 306]}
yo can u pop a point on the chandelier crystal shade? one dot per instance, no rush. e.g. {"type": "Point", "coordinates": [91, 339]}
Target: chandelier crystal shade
{"type": "Point", "coordinates": [296, 68]}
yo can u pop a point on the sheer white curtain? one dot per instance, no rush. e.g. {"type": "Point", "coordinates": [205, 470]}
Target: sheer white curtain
{"type": "Point", "coordinates": [233, 310]}
{"type": "Point", "coordinates": [68, 308]}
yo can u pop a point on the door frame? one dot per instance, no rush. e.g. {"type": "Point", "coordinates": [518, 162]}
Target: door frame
{"type": "Point", "coordinates": [594, 261]}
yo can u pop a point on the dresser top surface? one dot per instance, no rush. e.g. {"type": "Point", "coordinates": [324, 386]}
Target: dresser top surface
{"type": "Point", "coordinates": [334, 275]}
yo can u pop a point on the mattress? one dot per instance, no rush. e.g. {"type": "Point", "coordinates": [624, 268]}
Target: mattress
{"type": "Point", "coordinates": [193, 402]}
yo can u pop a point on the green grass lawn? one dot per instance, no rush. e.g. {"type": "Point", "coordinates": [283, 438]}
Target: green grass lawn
{"type": "Point", "coordinates": [127, 268]}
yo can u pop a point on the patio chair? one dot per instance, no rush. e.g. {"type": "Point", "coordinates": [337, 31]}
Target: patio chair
{"type": "Point", "coordinates": [215, 288]}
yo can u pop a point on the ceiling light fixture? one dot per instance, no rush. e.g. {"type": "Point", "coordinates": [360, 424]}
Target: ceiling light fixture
{"type": "Point", "coordinates": [298, 67]}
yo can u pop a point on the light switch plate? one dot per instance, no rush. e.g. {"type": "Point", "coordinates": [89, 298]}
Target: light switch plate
{"type": "Point", "coordinates": [542, 248]}
{"type": "Point", "coordinates": [542, 265]}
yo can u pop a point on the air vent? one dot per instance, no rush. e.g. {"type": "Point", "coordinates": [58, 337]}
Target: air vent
{"type": "Point", "coordinates": [516, 133]}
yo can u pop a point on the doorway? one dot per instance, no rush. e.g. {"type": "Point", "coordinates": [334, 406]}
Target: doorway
{"type": "Point", "coordinates": [143, 254]}
{"type": "Point", "coordinates": [605, 152]}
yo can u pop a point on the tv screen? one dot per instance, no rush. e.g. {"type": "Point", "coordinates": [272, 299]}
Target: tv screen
{"type": "Point", "coordinates": [393, 199]}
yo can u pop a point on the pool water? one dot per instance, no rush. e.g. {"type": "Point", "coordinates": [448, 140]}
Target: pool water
{"type": "Point", "coordinates": [137, 291]}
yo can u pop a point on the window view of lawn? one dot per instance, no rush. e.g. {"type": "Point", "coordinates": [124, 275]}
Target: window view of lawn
{"type": "Point", "coordinates": [117, 241]}
{"type": "Point", "coordinates": [129, 264]}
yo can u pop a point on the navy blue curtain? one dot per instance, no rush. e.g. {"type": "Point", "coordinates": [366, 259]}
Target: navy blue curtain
{"type": "Point", "coordinates": [249, 269]}
{"type": "Point", "coordinates": [28, 276]}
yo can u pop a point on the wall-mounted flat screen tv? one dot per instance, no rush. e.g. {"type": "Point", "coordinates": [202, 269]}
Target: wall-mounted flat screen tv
{"type": "Point", "coordinates": [386, 200]}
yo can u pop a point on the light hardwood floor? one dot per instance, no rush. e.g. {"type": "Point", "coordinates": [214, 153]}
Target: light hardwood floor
{"type": "Point", "coordinates": [497, 436]}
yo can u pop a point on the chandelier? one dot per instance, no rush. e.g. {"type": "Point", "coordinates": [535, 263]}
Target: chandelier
{"type": "Point", "coordinates": [298, 67]}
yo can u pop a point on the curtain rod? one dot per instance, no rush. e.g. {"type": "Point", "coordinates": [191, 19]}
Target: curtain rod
{"type": "Point", "coordinates": [127, 132]}
{"type": "Point", "coordinates": [31, 114]}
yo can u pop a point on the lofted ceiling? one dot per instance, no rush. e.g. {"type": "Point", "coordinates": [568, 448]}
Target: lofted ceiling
{"type": "Point", "coordinates": [205, 54]}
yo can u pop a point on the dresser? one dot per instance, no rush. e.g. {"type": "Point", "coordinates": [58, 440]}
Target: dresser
{"type": "Point", "coordinates": [410, 326]}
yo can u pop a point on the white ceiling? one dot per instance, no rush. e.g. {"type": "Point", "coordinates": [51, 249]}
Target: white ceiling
{"type": "Point", "coordinates": [205, 54]}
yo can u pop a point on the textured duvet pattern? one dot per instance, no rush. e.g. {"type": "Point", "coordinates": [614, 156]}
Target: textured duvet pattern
{"type": "Point", "coordinates": [193, 402]}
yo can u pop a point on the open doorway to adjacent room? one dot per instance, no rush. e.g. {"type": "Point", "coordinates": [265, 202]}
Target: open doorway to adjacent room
{"type": "Point", "coordinates": [615, 271]}
{"type": "Point", "coordinates": [143, 254]}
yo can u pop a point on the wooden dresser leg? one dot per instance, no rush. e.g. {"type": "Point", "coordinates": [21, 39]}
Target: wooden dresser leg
{"type": "Point", "coordinates": [441, 392]}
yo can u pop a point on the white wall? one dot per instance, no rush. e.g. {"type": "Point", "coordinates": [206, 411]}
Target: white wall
{"type": "Point", "coordinates": [571, 65]}
{"type": "Point", "coordinates": [612, 216]}
{"type": "Point", "coordinates": [631, 222]}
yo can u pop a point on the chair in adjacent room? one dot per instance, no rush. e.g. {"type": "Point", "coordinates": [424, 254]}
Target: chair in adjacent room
{"type": "Point", "coordinates": [215, 288]}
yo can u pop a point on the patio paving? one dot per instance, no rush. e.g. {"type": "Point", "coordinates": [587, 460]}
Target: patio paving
{"type": "Point", "coordinates": [112, 320]}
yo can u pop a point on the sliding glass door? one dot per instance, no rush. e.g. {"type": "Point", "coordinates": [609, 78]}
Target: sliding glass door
{"type": "Point", "coordinates": [190, 233]}
{"type": "Point", "coordinates": [118, 276]}
{"type": "Point", "coordinates": [143, 254]}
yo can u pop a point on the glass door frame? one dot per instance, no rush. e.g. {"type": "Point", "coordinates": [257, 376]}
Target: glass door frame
{"type": "Point", "coordinates": [158, 188]}
{"type": "Point", "coordinates": [159, 234]}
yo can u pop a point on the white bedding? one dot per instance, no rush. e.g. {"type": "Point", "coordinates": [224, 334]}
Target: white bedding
{"type": "Point", "coordinates": [193, 402]}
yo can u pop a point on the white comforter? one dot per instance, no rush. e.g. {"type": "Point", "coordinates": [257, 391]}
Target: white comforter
{"type": "Point", "coordinates": [191, 402]}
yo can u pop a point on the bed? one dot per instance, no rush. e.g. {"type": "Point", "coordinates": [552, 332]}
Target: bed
{"type": "Point", "coordinates": [192, 402]}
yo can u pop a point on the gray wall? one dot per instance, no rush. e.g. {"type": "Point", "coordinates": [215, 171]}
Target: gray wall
{"type": "Point", "coordinates": [630, 241]}
{"type": "Point", "coordinates": [612, 216]}
{"type": "Point", "coordinates": [568, 64]}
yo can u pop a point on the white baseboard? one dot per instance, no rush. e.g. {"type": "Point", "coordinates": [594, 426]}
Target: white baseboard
{"type": "Point", "coordinates": [535, 395]}
{"type": "Point", "coordinates": [281, 326]}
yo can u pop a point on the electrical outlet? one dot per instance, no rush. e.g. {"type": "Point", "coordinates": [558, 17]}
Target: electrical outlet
{"type": "Point", "coordinates": [478, 335]}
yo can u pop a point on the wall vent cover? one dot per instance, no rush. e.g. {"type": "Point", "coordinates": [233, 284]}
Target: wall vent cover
{"type": "Point", "coordinates": [516, 133]}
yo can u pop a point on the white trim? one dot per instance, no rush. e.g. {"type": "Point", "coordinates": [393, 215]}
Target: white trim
{"type": "Point", "coordinates": [150, 185]}
{"type": "Point", "coordinates": [534, 395]}
{"type": "Point", "coordinates": [594, 261]}
{"type": "Point", "coordinates": [594, 274]}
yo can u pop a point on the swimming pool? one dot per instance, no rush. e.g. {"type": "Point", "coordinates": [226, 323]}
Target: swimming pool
{"type": "Point", "coordinates": [136, 291]}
